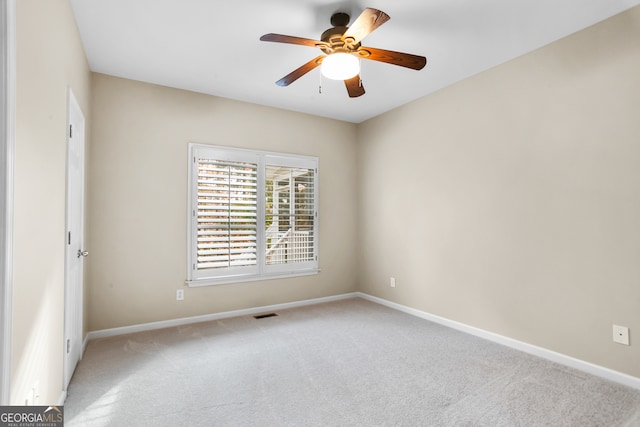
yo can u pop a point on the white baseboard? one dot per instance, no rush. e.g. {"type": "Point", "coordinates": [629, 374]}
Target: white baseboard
{"type": "Point", "coordinates": [208, 317]}
{"type": "Point", "coordinates": [544, 353]}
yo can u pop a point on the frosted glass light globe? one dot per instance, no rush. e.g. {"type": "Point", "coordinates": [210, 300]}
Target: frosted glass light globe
{"type": "Point", "coordinates": [340, 66]}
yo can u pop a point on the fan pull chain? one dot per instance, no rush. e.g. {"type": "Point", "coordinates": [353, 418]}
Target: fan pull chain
{"type": "Point", "coordinates": [360, 67]}
{"type": "Point", "coordinates": [320, 85]}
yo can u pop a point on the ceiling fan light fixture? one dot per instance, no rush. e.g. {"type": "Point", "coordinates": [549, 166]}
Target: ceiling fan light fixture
{"type": "Point", "coordinates": [340, 66]}
{"type": "Point", "coordinates": [341, 43]}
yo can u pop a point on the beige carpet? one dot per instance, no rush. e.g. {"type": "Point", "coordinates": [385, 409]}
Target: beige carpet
{"type": "Point", "coordinates": [347, 363]}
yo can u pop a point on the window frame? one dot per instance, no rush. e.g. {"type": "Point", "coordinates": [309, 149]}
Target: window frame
{"type": "Point", "coordinates": [261, 271]}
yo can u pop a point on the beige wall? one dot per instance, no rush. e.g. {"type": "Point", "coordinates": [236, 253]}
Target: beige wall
{"type": "Point", "coordinates": [50, 59]}
{"type": "Point", "coordinates": [508, 201]}
{"type": "Point", "coordinates": [511, 201]}
{"type": "Point", "coordinates": [138, 196]}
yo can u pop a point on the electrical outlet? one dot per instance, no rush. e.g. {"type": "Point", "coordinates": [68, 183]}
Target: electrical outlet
{"type": "Point", "coordinates": [392, 282]}
{"type": "Point", "coordinates": [179, 294]}
{"type": "Point", "coordinates": [621, 334]}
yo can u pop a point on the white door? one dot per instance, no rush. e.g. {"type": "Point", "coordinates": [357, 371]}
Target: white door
{"type": "Point", "coordinates": [75, 251]}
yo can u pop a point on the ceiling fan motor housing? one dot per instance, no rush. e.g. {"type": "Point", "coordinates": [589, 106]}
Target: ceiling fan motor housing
{"type": "Point", "coordinates": [333, 33]}
{"type": "Point", "coordinates": [333, 36]}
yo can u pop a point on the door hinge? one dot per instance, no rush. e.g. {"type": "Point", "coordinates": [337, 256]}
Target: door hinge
{"type": "Point", "coordinates": [68, 346]}
{"type": "Point", "coordinates": [70, 131]}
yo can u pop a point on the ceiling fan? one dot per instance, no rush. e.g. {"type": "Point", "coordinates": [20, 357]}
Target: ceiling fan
{"type": "Point", "coordinates": [342, 50]}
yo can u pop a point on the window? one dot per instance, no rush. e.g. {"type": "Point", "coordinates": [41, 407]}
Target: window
{"type": "Point", "coordinates": [252, 215]}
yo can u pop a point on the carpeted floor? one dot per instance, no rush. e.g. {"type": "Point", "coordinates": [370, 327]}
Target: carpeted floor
{"type": "Point", "coordinates": [346, 363]}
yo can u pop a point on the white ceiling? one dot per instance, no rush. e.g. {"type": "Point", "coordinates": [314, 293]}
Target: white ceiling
{"type": "Point", "coordinates": [213, 47]}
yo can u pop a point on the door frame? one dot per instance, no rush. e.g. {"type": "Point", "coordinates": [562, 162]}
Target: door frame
{"type": "Point", "coordinates": [7, 144]}
{"type": "Point", "coordinates": [73, 307]}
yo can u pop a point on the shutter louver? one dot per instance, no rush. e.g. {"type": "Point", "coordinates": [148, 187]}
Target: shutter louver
{"type": "Point", "coordinates": [226, 214]}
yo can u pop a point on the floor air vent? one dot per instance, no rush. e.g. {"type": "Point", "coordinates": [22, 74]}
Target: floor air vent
{"type": "Point", "coordinates": [264, 316]}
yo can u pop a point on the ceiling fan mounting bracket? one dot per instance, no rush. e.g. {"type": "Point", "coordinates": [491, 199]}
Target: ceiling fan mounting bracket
{"type": "Point", "coordinates": [340, 19]}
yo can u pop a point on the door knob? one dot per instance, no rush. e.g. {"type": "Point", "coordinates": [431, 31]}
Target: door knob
{"type": "Point", "coordinates": [82, 253]}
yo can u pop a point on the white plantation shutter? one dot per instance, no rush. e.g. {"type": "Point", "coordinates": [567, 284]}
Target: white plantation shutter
{"type": "Point", "coordinates": [253, 215]}
{"type": "Point", "coordinates": [226, 214]}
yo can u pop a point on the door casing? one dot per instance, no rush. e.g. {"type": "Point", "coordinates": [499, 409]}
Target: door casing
{"type": "Point", "coordinates": [7, 141]}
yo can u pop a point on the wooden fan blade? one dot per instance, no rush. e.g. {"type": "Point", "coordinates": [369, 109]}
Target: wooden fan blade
{"type": "Point", "coordinates": [354, 87]}
{"type": "Point", "coordinates": [407, 60]}
{"type": "Point", "coordinates": [368, 21]}
{"type": "Point", "coordinates": [301, 71]}
{"type": "Point", "coordinates": [281, 38]}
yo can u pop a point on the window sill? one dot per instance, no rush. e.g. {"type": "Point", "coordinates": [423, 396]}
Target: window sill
{"type": "Point", "coordinates": [253, 278]}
